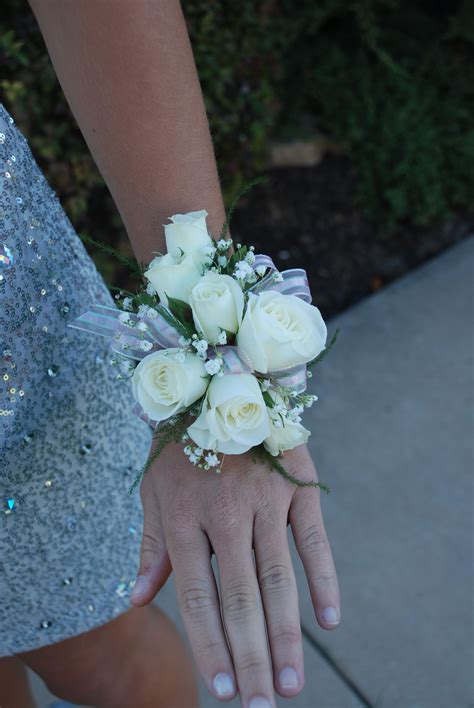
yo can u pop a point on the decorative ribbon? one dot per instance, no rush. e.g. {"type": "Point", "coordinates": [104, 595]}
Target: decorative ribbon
{"type": "Point", "coordinates": [291, 282]}
{"type": "Point", "coordinates": [127, 339]}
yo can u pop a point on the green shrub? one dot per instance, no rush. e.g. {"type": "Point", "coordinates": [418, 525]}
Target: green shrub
{"type": "Point", "coordinates": [390, 81]}
{"type": "Point", "coordinates": [393, 83]}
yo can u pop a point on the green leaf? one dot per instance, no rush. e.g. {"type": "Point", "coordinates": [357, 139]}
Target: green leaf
{"type": "Point", "coordinates": [186, 329]}
{"type": "Point", "coordinates": [180, 309]}
{"type": "Point", "coordinates": [269, 402]}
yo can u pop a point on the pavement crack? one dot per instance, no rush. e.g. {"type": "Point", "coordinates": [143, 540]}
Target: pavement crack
{"type": "Point", "coordinates": [337, 668]}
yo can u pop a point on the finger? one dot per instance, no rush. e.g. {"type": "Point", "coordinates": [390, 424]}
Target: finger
{"type": "Point", "coordinates": [198, 602]}
{"type": "Point", "coordinates": [243, 617]}
{"type": "Point", "coordinates": [280, 600]}
{"type": "Point", "coordinates": [155, 566]}
{"type": "Point", "coordinates": [313, 547]}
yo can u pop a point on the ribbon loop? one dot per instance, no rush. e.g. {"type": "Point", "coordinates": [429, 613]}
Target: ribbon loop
{"type": "Point", "coordinates": [127, 337]}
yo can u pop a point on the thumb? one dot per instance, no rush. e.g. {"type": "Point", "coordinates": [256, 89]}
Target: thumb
{"type": "Point", "coordinates": [155, 566]}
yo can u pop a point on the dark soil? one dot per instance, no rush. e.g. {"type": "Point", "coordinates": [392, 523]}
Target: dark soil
{"type": "Point", "coordinates": [307, 217]}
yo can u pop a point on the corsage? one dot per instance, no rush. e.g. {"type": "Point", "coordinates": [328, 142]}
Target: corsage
{"type": "Point", "coordinates": [218, 345]}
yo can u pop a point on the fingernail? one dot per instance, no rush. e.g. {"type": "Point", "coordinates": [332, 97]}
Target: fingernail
{"type": "Point", "coordinates": [330, 615]}
{"type": "Point", "coordinates": [288, 678]}
{"type": "Point", "coordinates": [223, 685]}
{"type": "Point", "coordinates": [260, 702]}
{"type": "Point", "coordinates": [140, 586]}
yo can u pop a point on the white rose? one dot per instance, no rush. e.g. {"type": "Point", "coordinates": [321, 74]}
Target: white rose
{"type": "Point", "coordinates": [234, 416]}
{"type": "Point", "coordinates": [285, 434]}
{"type": "Point", "coordinates": [165, 383]}
{"type": "Point", "coordinates": [172, 276]}
{"type": "Point", "coordinates": [217, 302]}
{"type": "Point", "coordinates": [279, 331]}
{"type": "Point", "coordinates": [187, 232]}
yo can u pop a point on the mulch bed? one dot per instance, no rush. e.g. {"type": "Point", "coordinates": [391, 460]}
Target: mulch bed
{"type": "Point", "coordinates": [307, 216]}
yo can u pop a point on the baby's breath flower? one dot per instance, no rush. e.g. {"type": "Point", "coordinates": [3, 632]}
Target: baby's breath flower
{"type": "Point", "coordinates": [224, 244]}
{"type": "Point", "coordinates": [213, 366]}
{"type": "Point", "coordinates": [146, 346]}
{"type": "Point", "coordinates": [265, 384]}
{"type": "Point", "coordinates": [184, 342]}
{"type": "Point", "coordinates": [127, 303]}
{"type": "Point", "coordinates": [150, 289]}
{"type": "Point", "coordinates": [124, 317]}
{"type": "Point", "coordinates": [201, 346]}
{"type": "Point", "coordinates": [222, 338]}
{"type": "Point", "coordinates": [260, 270]}
{"type": "Point", "coordinates": [243, 265]}
{"type": "Point", "coordinates": [242, 270]}
{"type": "Point", "coordinates": [151, 313]}
{"type": "Point", "coordinates": [209, 250]}
{"type": "Point", "coordinates": [222, 261]}
{"type": "Point", "coordinates": [126, 366]}
{"type": "Point", "coordinates": [250, 257]}
{"type": "Point", "coordinates": [211, 459]}
{"type": "Point", "coordinates": [252, 277]}
{"type": "Point", "coordinates": [142, 310]}
{"type": "Point", "coordinates": [142, 326]}
{"type": "Point", "coordinates": [277, 277]}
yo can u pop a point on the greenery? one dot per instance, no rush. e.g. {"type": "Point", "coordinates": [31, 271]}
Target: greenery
{"type": "Point", "coordinates": [390, 82]}
{"type": "Point", "coordinates": [260, 454]}
{"type": "Point", "coordinates": [171, 432]}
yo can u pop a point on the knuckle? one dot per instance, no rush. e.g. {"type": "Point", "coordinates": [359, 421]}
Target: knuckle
{"type": "Point", "coordinates": [325, 578]}
{"type": "Point", "coordinates": [240, 601]}
{"type": "Point", "coordinates": [196, 599]}
{"type": "Point", "coordinates": [313, 540]}
{"type": "Point", "coordinates": [287, 634]}
{"type": "Point", "coordinates": [181, 523]}
{"type": "Point", "coordinates": [209, 651]}
{"type": "Point", "coordinates": [151, 550]}
{"type": "Point", "coordinates": [252, 661]}
{"type": "Point", "coordinates": [275, 576]}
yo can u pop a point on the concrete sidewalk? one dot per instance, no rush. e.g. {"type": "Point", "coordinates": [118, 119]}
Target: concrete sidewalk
{"type": "Point", "coordinates": [392, 436]}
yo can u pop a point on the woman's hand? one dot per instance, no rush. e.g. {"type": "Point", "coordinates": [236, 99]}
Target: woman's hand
{"type": "Point", "coordinates": [191, 513]}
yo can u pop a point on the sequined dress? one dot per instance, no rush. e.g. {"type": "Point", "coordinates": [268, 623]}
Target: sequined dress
{"type": "Point", "coordinates": [69, 444]}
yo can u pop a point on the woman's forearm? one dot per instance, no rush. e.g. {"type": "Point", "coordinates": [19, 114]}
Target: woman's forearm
{"type": "Point", "coordinates": [128, 73]}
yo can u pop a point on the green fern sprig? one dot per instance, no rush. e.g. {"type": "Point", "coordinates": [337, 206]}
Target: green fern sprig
{"type": "Point", "coordinates": [171, 433]}
{"type": "Point", "coordinates": [325, 351]}
{"type": "Point", "coordinates": [262, 454]}
{"type": "Point", "coordinates": [230, 212]}
{"type": "Point", "coordinates": [132, 263]}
